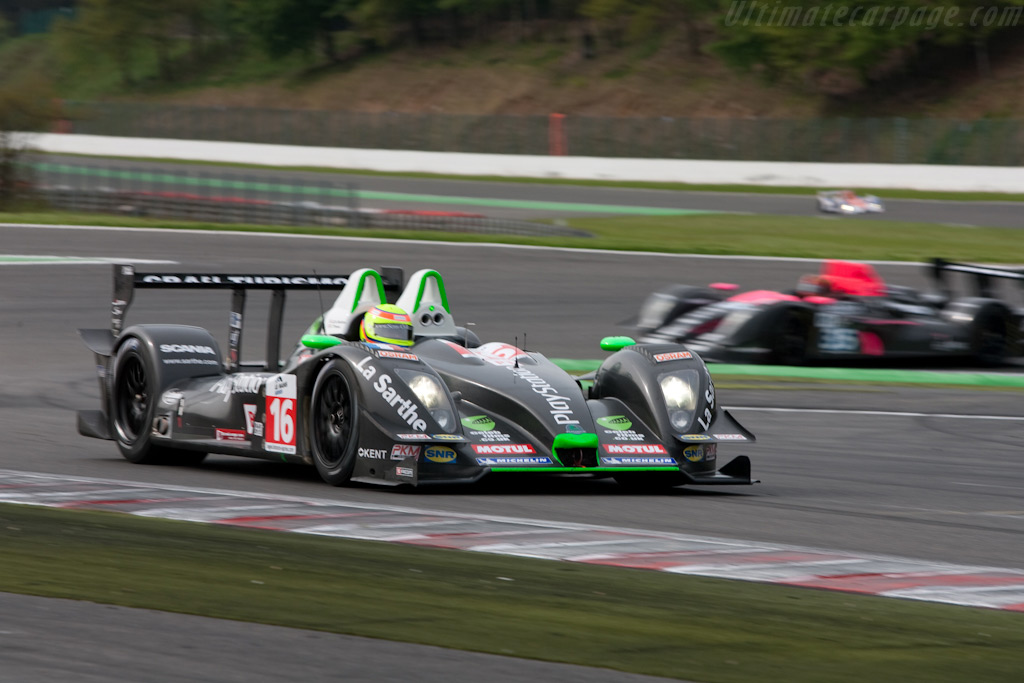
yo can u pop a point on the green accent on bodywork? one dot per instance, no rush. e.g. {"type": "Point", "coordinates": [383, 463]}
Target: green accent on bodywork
{"type": "Point", "coordinates": [480, 423]}
{"type": "Point", "coordinates": [320, 341]}
{"type": "Point", "coordinates": [316, 326]}
{"type": "Point", "coordinates": [359, 287]}
{"type": "Point", "coordinates": [617, 423]}
{"type": "Point", "coordinates": [616, 343]}
{"type": "Point", "coordinates": [440, 288]}
{"type": "Point", "coordinates": [585, 440]}
{"type": "Point", "coordinates": [668, 468]}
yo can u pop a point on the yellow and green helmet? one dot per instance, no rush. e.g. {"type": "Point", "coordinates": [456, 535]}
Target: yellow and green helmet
{"type": "Point", "coordinates": [386, 324]}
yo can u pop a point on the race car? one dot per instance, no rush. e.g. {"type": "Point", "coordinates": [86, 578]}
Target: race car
{"type": "Point", "coordinates": [845, 312]}
{"type": "Point", "coordinates": [447, 409]}
{"type": "Point", "coordinates": [848, 202]}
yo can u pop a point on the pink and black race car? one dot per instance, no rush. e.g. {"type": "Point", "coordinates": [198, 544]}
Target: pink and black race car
{"type": "Point", "coordinates": [848, 202]}
{"type": "Point", "coordinates": [845, 312]}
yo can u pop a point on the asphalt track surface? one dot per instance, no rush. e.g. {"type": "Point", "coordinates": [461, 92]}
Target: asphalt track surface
{"type": "Point", "coordinates": [941, 488]}
{"type": "Point", "coordinates": [513, 200]}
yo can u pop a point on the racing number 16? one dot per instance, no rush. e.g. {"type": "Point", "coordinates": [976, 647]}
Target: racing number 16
{"type": "Point", "coordinates": [281, 416]}
{"type": "Point", "coordinates": [279, 432]}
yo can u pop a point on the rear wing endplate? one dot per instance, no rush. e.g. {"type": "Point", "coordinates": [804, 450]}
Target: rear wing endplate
{"type": "Point", "coordinates": [127, 280]}
{"type": "Point", "coordinates": [982, 276]}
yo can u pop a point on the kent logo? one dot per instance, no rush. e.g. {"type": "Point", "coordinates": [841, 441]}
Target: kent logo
{"type": "Point", "coordinates": [480, 423]}
{"type": "Point", "coordinates": [617, 423]}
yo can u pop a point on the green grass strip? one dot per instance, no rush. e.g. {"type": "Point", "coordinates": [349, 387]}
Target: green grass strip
{"type": "Point", "coordinates": [867, 375]}
{"type": "Point", "coordinates": [630, 620]}
{"type": "Point", "coordinates": [317, 191]}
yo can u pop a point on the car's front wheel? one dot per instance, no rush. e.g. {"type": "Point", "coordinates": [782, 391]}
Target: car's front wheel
{"type": "Point", "coordinates": [333, 424]}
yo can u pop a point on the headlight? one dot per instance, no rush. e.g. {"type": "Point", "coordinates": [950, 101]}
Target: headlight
{"type": "Point", "coordinates": [679, 390]}
{"type": "Point", "coordinates": [431, 394]}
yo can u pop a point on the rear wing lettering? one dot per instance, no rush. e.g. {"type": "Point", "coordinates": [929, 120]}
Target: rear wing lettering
{"type": "Point", "coordinates": [982, 276]}
{"type": "Point", "coordinates": [127, 280]}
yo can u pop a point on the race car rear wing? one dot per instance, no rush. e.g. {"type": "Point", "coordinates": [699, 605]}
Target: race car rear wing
{"type": "Point", "coordinates": [983, 275]}
{"type": "Point", "coordinates": [127, 280]}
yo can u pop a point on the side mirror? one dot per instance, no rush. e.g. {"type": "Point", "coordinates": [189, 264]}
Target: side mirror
{"type": "Point", "coordinates": [320, 341]}
{"type": "Point", "coordinates": [616, 343]}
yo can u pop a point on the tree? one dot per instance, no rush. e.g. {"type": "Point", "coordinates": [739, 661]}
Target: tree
{"type": "Point", "coordinates": [26, 105]}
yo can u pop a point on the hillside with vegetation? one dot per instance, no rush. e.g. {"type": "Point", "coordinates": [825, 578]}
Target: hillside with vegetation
{"type": "Point", "coordinates": [680, 58]}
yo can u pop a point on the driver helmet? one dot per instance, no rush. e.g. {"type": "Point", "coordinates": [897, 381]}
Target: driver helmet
{"type": "Point", "coordinates": [386, 324]}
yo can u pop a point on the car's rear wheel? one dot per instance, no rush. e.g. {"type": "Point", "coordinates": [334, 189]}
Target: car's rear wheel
{"type": "Point", "coordinates": [333, 424]}
{"type": "Point", "coordinates": [789, 347]}
{"type": "Point", "coordinates": [991, 339]}
{"type": "Point", "coordinates": [134, 393]}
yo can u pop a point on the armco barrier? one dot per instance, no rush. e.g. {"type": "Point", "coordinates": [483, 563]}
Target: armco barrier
{"type": "Point", "coordinates": [782, 174]}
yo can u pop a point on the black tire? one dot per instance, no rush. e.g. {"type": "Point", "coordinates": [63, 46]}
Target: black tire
{"type": "Point", "coordinates": [991, 339]}
{"type": "Point", "coordinates": [333, 424]}
{"type": "Point", "coordinates": [789, 346]}
{"type": "Point", "coordinates": [648, 482]}
{"type": "Point", "coordinates": [133, 397]}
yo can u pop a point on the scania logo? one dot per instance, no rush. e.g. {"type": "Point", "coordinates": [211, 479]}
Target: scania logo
{"type": "Point", "coordinates": [187, 348]}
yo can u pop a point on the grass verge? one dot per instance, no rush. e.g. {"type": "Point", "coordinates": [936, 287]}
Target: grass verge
{"type": "Point", "coordinates": [630, 620]}
{"type": "Point", "coordinates": [885, 193]}
{"type": "Point", "coordinates": [724, 234]}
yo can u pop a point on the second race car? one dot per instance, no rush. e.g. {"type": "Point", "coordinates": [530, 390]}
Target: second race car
{"type": "Point", "coordinates": [443, 409]}
{"type": "Point", "coordinates": [845, 312]}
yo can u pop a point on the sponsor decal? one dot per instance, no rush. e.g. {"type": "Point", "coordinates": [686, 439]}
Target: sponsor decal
{"type": "Point", "coordinates": [673, 355]}
{"type": "Point", "coordinates": [730, 437]}
{"type": "Point", "coordinates": [239, 383]}
{"type": "Point", "coordinates": [615, 422]}
{"type": "Point", "coordinates": [638, 461]}
{"type": "Point", "coordinates": [710, 452]}
{"type": "Point", "coordinates": [187, 348]}
{"type": "Point", "coordinates": [397, 354]}
{"type": "Point", "coordinates": [418, 436]}
{"type": "Point", "coordinates": [446, 437]}
{"type": "Point", "coordinates": [168, 279]}
{"type": "Point", "coordinates": [439, 454]}
{"type": "Point", "coordinates": [694, 453]}
{"type": "Point", "coordinates": [171, 397]}
{"type": "Point", "coordinates": [478, 422]}
{"type": "Point", "coordinates": [235, 320]}
{"type": "Point", "coordinates": [373, 453]}
{"type": "Point", "coordinates": [635, 448]}
{"type": "Point", "coordinates": [558, 406]}
{"type": "Point", "coordinates": [251, 425]}
{"type": "Point", "coordinates": [709, 410]}
{"type": "Point", "coordinates": [404, 471]}
{"type": "Point", "coordinates": [280, 414]}
{"type": "Point", "coordinates": [696, 437]}
{"type": "Point", "coordinates": [401, 451]}
{"type": "Point", "coordinates": [406, 409]}
{"type": "Point", "coordinates": [536, 460]}
{"type": "Point", "coordinates": [499, 353]}
{"type": "Point", "coordinates": [230, 435]}
{"type": "Point", "coordinates": [503, 448]}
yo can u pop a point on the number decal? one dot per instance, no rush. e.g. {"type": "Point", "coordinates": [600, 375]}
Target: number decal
{"type": "Point", "coordinates": [280, 427]}
{"type": "Point", "coordinates": [834, 336]}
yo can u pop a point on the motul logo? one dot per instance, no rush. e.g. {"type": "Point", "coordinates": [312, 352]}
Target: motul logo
{"type": "Point", "coordinates": [635, 448]}
{"type": "Point", "coordinates": [503, 449]}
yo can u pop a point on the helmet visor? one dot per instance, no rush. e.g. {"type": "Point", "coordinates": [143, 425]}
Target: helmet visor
{"type": "Point", "coordinates": [392, 331]}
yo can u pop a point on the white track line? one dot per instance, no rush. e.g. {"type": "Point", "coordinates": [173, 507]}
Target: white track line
{"type": "Point", "coordinates": [890, 413]}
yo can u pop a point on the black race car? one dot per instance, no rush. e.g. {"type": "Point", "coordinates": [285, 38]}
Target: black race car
{"type": "Point", "coordinates": [445, 410]}
{"type": "Point", "coordinates": [845, 312]}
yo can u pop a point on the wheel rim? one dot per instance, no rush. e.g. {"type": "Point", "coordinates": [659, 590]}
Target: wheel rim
{"type": "Point", "coordinates": [992, 340]}
{"type": "Point", "coordinates": [334, 421]}
{"type": "Point", "coordinates": [133, 398]}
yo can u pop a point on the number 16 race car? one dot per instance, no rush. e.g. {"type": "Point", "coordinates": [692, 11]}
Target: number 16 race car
{"type": "Point", "coordinates": [845, 312]}
{"type": "Point", "coordinates": [447, 409]}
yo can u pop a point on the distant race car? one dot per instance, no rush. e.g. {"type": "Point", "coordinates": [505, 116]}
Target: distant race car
{"type": "Point", "coordinates": [848, 202]}
{"type": "Point", "coordinates": [846, 312]}
{"type": "Point", "coordinates": [445, 410]}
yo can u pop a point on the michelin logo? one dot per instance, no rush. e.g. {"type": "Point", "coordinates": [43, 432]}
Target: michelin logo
{"type": "Point", "coordinates": [537, 460]}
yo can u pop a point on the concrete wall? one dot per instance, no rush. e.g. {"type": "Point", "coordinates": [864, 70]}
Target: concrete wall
{"type": "Point", "coordinates": [888, 176]}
